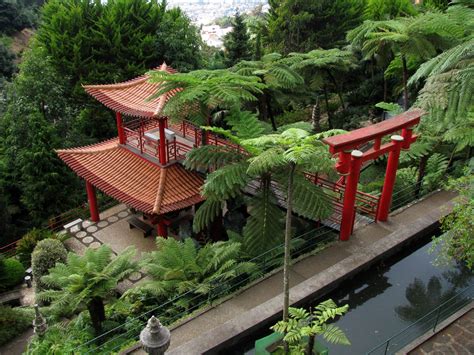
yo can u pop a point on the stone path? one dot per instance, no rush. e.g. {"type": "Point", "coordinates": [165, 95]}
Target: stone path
{"type": "Point", "coordinates": [89, 236]}
{"type": "Point", "coordinates": [18, 345]}
{"type": "Point", "coordinates": [457, 338]}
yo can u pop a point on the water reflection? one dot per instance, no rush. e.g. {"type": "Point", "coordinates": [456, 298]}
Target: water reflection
{"type": "Point", "coordinates": [423, 298]}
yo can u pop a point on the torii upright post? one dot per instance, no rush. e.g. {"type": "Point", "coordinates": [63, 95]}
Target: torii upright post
{"type": "Point", "coordinates": [390, 176]}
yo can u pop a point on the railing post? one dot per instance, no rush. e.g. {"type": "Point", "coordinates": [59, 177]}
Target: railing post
{"type": "Point", "coordinates": [390, 177]}
{"type": "Point", "coordinates": [437, 319]}
{"type": "Point", "coordinates": [386, 347]}
{"type": "Point", "coordinates": [348, 210]}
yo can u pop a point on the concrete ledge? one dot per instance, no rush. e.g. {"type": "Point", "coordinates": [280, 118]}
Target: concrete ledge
{"type": "Point", "coordinates": [362, 257]}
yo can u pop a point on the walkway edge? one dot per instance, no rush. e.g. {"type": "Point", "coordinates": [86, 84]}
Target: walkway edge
{"type": "Point", "coordinates": [267, 313]}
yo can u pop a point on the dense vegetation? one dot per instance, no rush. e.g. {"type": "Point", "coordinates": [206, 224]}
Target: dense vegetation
{"type": "Point", "coordinates": [286, 80]}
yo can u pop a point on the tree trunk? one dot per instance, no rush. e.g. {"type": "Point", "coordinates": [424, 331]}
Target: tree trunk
{"type": "Point", "coordinates": [385, 89]}
{"type": "Point", "coordinates": [309, 349]}
{"type": "Point", "coordinates": [405, 83]}
{"type": "Point", "coordinates": [331, 126]}
{"type": "Point", "coordinates": [316, 117]}
{"type": "Point", "coordinates": [338, 90]}
{"type": "Point", "coordinates": [421, 174]}
{"type": "Point", "coordinates": [287, 259]}
{"type": "Point", "coordinates": [269, 111]}
{"type": "Point", "coordinates": [97, 313]}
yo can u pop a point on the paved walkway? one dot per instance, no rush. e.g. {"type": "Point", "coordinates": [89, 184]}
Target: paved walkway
{"type": "Point", "coordinates": [457, 338]}
{"type": "Point", "coordinates": [113, 230]}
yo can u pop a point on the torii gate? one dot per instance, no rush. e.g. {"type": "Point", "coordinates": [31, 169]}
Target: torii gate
{"type": "Point", "coordinates": [350, 160]}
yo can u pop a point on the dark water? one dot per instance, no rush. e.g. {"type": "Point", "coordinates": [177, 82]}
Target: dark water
{"type": "Point", "coordinates": [389, 297]}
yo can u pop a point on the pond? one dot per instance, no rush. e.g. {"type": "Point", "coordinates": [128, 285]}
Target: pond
{"type": "Point", "coordinates": [387, 298]}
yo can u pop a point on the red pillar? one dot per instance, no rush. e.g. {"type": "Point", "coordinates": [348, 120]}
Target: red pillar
{"type": "Point", "coordinates": [121, 133]}
{"type": "Point", "coordinates": [92, 202]}
{"type": "Point", "coordinates": [161, 228]}
{"type": "Point", "coordinates": [161, 126]}
{"type": "Point", "coordinates": [348, 211]}
{"type": "Point", "coordinates": [390, 176]}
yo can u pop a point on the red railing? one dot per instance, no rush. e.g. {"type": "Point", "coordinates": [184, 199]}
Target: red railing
{"type": "Point", "coordinates": [365, 203]}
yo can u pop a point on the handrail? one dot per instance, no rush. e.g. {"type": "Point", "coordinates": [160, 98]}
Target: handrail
{"type": "Point", "coordinates": [406, 335]}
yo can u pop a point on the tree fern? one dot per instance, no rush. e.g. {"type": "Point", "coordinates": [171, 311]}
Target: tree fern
{"type": "Point", "coordinates": [210, 88]}
{"type": "Point", "coordinates": [264, 228]}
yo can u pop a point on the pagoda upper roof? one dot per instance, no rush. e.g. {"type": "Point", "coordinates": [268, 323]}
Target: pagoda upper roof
{"type": "Point", "coordinates": [133, 180]}
{"type": "Point", "coordinates": [131, 97]}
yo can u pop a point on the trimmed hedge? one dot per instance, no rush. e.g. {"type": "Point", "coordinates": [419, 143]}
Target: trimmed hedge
{"type": "Point", "coordinates": [13, 322]}
{"type": "Point", "coordinates": [28, 242]}
{"type": "Point", "coordinates": [45, 256]}
{"type": "Point", "coordinates": [13, 273]}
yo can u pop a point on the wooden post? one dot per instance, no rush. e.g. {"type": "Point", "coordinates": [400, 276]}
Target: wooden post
{"type": "Point", "coordinates": [390, 176]}
{"type": "Point", "coordinates": [161, 228]}
{"type": "Point", "coordinates": [348, 211]}
{"type": "Point", "coordinates": [163, 159]}
{"type": "Point", "coordinates": [121, 133]}
{"type": "Point", "coordinates": [91, 197]}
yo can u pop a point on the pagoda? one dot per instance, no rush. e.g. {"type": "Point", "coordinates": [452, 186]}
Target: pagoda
{"type": "Point", "coordinates": [141, 166]}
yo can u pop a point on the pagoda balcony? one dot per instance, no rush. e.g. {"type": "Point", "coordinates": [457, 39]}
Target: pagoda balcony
{"type": "Point", "coordinates": [142, 137]}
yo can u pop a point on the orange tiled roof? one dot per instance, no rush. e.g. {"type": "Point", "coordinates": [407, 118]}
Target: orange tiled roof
{"type": "Point", "coordinates": [134, 180]}
{"type": "Point", "coordinates": [130, 97]}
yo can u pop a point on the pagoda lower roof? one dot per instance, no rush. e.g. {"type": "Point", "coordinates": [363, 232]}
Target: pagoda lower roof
{"type": "Point", "coordinates": [132, 97]}
{"type": "Point", "coordinates": [134, 180]}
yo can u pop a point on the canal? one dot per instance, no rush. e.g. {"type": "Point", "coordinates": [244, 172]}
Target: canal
{"type": "Point", "coordinates": [387, 298]}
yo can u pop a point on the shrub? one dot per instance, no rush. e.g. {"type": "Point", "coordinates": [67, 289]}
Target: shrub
{"type": "Point", "coordinates": [13, 322]}
{"type": "Point", "coordinates": [45, 256]}
{"type": "Point", "coordinates": [12, 275]}
{"type": "Point", "coordinates": [27, 243]}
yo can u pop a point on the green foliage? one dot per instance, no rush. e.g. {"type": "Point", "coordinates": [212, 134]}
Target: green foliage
{"type": "Point", "coordinates": [456, 242]}
{"type": "Point", "coordinates": [16, 15]}
{"type": "Point", "coordinates": [13, 273]}
{"type": "Point", "coordinates": [7, 65]}
{"type": "Point", "coordinates": [299, 26]}
{"type": "Point", "coordinates": [103, 42]}
{"type": "Point", "coordinates": [183, 269]}
{"type": "Point", "coordinates": [236, 42]}
{"type": "Point", "coordinates": [204, 91]}
{"type": "Point", "coordinates": [302, 327]}
{"type": "Point", "coordinates": [28, 242]}
{"type": "Point", "coordinates": [13, 322]}
{"type": "Point", "coordinates": [45, 256]}
{"type": "Point", "coordinates": [84, 281]}
{"type": "Point", "coordinates": [390, 107]}
{"type": "Point", "coordinates": [435, 171]}
{"type": "Point", "coordinates": [388, 9]}
{"type": "Point", "coordinates": [264, 228]}
{"type": "Point", "coordinates": [448, 91]}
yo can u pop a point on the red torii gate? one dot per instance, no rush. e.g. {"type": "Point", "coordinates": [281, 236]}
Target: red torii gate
{"type": "Point", "coordinates": [350, 160]}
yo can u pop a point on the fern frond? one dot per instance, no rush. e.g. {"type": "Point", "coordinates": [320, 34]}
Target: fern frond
{"type": "Point", "coordinates": [206, 214]}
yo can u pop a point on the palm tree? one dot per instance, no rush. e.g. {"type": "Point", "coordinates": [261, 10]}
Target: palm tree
{"type": "Point", "coordinates": [320, 67]}
{"type": "Point", "coordinates": [198, 94]}
{"type": "Point", "coordinates": [275, 74]}
{"type": "Point", "coordinates": [305, 324]}
{"type": "Point", "coordinates": [295, 151]}
{"type": "Point", "coordinates": [418, 37]}
{"type": "Point", "coordinates": [87, 281]}
{"type": "Point", "coordinates": [186, 270]}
